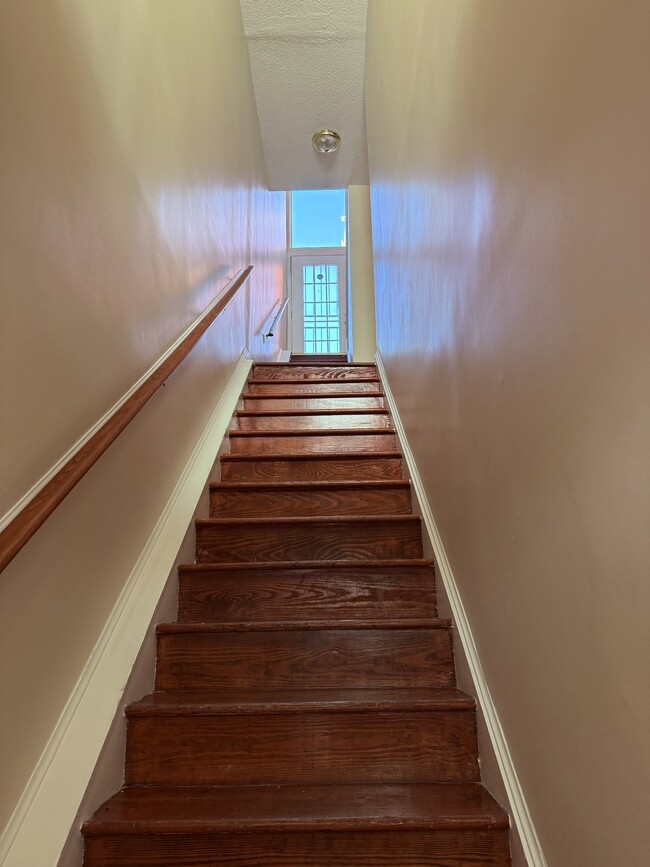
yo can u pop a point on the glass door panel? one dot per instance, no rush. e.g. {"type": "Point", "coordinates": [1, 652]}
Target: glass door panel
{"type": "Point", "coordinates": [318, 303]}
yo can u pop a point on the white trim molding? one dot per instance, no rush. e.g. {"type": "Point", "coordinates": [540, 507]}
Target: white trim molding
{"type": "Point", "coordinates": [38, 828]}
{"type": "Point", "coordinates": [521, 815]}
{"type": "Point", "coordinates": [38, 486]}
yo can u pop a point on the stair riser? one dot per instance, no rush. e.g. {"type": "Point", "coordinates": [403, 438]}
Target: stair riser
{"type": "Point", "coordinates": [306, 594]}
{"type": "Point", "coordinates": [315, 748]}
{"type": "Point", "coordinates": [321, 373]}
{"type": "Point", "coordinates": [286, 389]}
{"type": "Point", "coordinates": [277, 404]}
{"type": "Point", "coordinates": [229, 772]}
{"type": "Point", "coordinates": [310, 358]}
{"type": "Point", "coordinates": [317, 444]}
{"type": "Point", "coordinates": [356, 421]}
{"type": "Point", "coordinates": [247, 543]}
{"type": "Point", "coordinates": [305, 659]}
{"type": "Point", "coordinates": [464, 847]}
{"type": "Point", "coordinates": [311, 469]}
{"type": "Point", "coordinates": [279, 503]}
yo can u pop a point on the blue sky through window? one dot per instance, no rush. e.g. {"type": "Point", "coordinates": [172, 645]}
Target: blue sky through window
{"type": "Point", "coordinates": [316, 218]}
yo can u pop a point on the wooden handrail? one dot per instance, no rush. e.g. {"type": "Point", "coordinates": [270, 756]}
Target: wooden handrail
{"type": "Point", "coordinates": [20, 530]}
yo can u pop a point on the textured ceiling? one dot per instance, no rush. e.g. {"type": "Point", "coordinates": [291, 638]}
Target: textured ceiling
{"type": "Point", "coordinates": [307, 60]}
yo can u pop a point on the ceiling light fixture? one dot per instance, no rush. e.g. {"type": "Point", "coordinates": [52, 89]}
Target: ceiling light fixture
{"type": "Point", "coordinates": [326, 141]}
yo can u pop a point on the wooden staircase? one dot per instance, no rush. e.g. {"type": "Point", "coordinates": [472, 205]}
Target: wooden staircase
{"type": "Point", "coordinates": [305, 711]}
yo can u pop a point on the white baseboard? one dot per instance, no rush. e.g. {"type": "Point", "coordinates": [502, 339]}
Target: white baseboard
{"type": "Point", "coordinates": [519, 808]}
{"type": "Point", "coordinates": [42, 819]}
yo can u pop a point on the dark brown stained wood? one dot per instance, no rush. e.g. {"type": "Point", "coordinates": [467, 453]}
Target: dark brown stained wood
{"type": "Point", "coordinates": [310, 442]}
{"type": "Point", "coordinates": [294, 372]}
{"type": "Point", "coordinates": [321, 358]}
{"type": "Point", "coordinates": [282, 625]}
{"type": "Point", "coordinates": [240, 540]}
{"type": "Point", "coordinates": [312, 420]}
{"type": "Point", "coordinates": [344, 701]}
{"type": "Point", "coordinates": [330, 388]}
{"type": "Point", "coordinates": [290, 468]}
{"type": "Point", "coordinates": [21, 529]}
{"type": "Point", "coordinates": [464, 847]}
{"type": "Point", "coordinates": [277, 403]}
{"type": "Point", "coordinates": [201, 809]}
{"type": "Point", "coordinates": [310, 748]}
{"type": "Point", "coordinates": [311, 413]}
{"type": "Point", "coordinates": [261, 592]}
{"type": "Point", "coordinates": [301, 658]}
{"type": "Point", "coordinates": [305, 710]}
{"type": "Point", "coordinates": [300, 499]}
{"type": "Point", "coordinates": [314, 359]}
{"type": "Point", "coordinates": [185, 744]}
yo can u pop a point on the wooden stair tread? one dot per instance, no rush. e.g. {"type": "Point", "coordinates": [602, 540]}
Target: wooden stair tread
{"type": "Point", "coordinates": [278, 413]}
{"type": "Point", "coordinates": [305, 709]}
{"type": "Point", "coordinates": [143, 809]}
{"type": "Point", "coordinates": [320, 358]}
{"type": "Point", "coordinates": [310, 363]}
{"type": "Point", "coordinates": [301, 456]}
{"type": "Point", "coordinates": [310, 381]}
{"type": "Point", "coordinates": [310, 395]}
{"type": "Point", "coordinates": [343, 485]}
{"type": "Point", "coordinates": [213, 702]}
{"type": "Point", "coordinates": [319, 367]}
{"type": "Point", "coordinates": [306, 564]}
{"type": "Point", "coordinates": [177, 628]}
{"type": "Point", "coordinates": [313, 421]}
{"type": "Point", "coordinates": [310, 519]}
{"type": "Point", "coordinates": [309, 442]}
{"type": "Point", "coordinates": [313, 387]}
{"type": "Point", "coordinates": [214, 809]}
{"type": "Point", "coordinates": [330, 432]}
{"type": "Point", "coordinates": [307, 403]}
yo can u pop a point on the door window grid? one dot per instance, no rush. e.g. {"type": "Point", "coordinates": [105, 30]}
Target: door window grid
{"type": "Point", "coordinates": [321, 308]}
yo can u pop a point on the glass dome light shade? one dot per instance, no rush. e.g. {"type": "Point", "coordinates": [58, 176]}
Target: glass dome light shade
{"type": "Point", "coordinates": [326, 141]}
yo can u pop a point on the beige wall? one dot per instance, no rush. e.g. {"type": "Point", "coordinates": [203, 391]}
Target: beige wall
{"type": "Point", "coordinates": [508, 159]}
{"type": "Point", "coordinates": [132, 170]}
{"type": "Point", "coordinates": [361, 285]}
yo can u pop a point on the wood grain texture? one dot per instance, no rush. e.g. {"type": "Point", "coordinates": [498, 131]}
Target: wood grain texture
{"type": "Point", "coordinates": [331, 388]}
{"type": "Point", "coordinates": [354, 591]}
{"type": "Point", "coordinates": [310, 499]}
{"type": "Point", "coordinates": [307, 659]}
{"type": "Point", "coordinates": [305, 711]}
{"type": "Point", "coordinates": [289, 468]}
{"type": "Point", "coordinates": [342, 700]}
{"type": "Point", "coordinates": [430, 806]}
{"type": "Point", "coordinates": [321, 358]}
{"type": "Point", "coordinates": [375, 848]}
{"type": "Point", "coordinates": [277, 403]}
{"type": "Point", "coordinates": [310, 442]}
{"type": "Point", "coordinates": [224, 540]}
{"type": "Point", "coordinates": [312, 420]}
{"type": "Point", "coordinates": [16, 534]}
{"type": "Point", "coordinates": [330, 746]}
{"type": "Point", "coordinates": [323, 373]}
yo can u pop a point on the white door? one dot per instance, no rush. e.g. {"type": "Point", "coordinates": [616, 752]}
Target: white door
{"type": "Point", "coordinates": [319, 303]}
